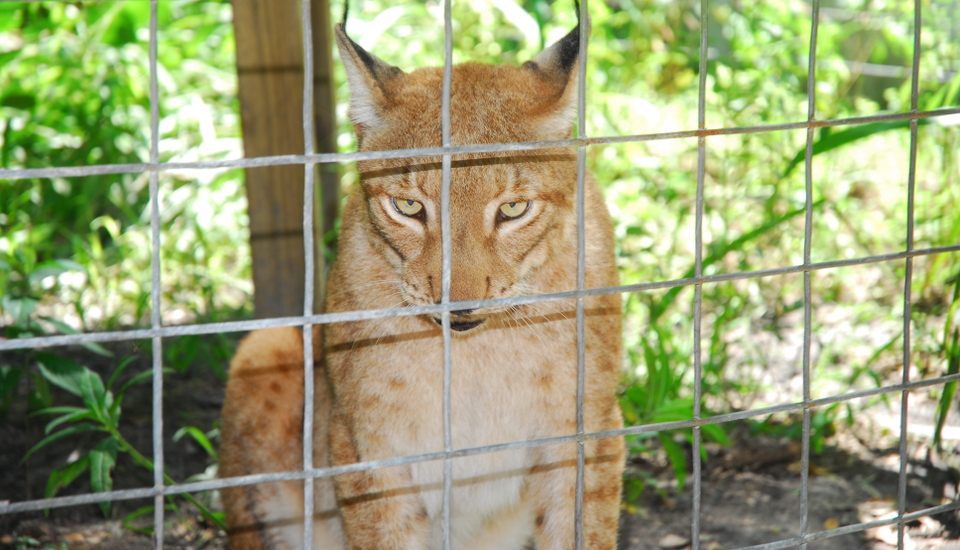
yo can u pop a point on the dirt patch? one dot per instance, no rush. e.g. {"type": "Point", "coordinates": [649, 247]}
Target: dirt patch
{"type": "Point", "coordinates": [751, 494]}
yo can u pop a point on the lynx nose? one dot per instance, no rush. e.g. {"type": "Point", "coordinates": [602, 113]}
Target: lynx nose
{"type": "Point", "coordinates": [459, 312]}
{"type": "Point", "coordinates": [458, 324]}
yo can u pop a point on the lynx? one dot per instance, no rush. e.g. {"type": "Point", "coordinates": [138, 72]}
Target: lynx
{"type": "Point", "coordinates": [514, 369]}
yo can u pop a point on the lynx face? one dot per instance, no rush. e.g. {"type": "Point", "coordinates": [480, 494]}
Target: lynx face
{"type": "Point", "coordinates": [509, 212]}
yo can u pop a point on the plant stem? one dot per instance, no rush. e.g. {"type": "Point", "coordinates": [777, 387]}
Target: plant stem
{"type": "Point", "coordinates": [146, 463]}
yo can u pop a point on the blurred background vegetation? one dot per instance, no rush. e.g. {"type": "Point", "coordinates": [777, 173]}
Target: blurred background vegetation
{"type": "Point", "coordinates": [75, 252]}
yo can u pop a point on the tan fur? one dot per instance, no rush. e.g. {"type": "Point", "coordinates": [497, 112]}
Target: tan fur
{"type": "Point", "coordinates": [514, 376]}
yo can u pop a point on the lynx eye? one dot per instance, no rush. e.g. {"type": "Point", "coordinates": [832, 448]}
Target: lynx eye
{"type": "Point", "coordinates": [512, 210]}
{"type": "Point", "coordinates": [408, 207]}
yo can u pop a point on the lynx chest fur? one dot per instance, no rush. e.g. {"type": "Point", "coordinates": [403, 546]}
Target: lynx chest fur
{"type": "Point", "coordinates": [514, 370]}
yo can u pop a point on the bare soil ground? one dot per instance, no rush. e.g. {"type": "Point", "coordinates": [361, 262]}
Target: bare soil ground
{"type": "Point", "coordinates": [751, 495]}
{"type": "Point", "coordinates": [750, 490]}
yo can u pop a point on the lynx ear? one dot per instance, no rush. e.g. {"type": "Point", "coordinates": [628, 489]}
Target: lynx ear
{"type": "Point", "coordinates": [559, 60]}
{"type": "Point", "coordinates": [555, 67]}
{"type": "Point", "coordinates": [369, 78]}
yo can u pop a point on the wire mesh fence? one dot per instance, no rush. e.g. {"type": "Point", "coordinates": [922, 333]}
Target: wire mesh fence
{"type": "Point", "coordinates": [310, 159]}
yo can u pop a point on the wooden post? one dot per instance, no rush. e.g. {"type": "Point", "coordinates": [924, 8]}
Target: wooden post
{"type": "Point", "coordinates": [270, 77]}
{"type": "Point", "coordinates": [325, 123]}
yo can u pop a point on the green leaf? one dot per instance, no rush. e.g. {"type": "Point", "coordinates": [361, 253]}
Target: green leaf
{"type": "Point", "coordinates": [91, 385]}
{"type": "Point", "coordinates": [47, 269]}
{"type": "Point", "coordinates": [7, 57]}
{"type": "Point", "coordinates": [20, 308]}
{"type": "Point", "coordinates": [630, 415]}
{"type": "Point", "coordinates": [39, 396]}
{"type": "Point", "coordinates": [60, 371]}
{"type": "Point", "coordinates": [145, 375]}
{"type": "Point", "coordinates": [114, 409]}
{"type": "Point", "coordinates": [57, 410]}
{"type": "Point", "coordinates": [831, 140]}
{"type": "Point", "coordinates": [82, 414]}
{"type": "Point", "coordinates": [676, 456]}
{"type": "Point", "coordinates": [61, 434]}
{"type": "Point", "coordinates": [92, 392]}
{"type": "Point", "coordinates": [946, 96]}
{"type": "Point", "coordinates": [716, 433]}
{"type": "Point", "coordinates": [950, 388]}
{"type": "Point", "coordinates": [123, 29]}
{"type": "Point", "coordinates": [67, 329]}
{"type": "Point", "coordinates": [132, 516]}
{"type": "Point", "coordinates": [11, 16]}
{"type": "Point", "coordinates": [9, 380]}
{"type": "Point", "coordinates": [183, 352]}
{"type": "Point", "coordinates": [123, 364]}
{"type": "Point", "coordinates": [103, 458]}
{"type": "Point", "coordinates": [65, 475]}
{"type": "Point", "coordinates": [18, 101]}
{"type": "Point", "coordinates": [720, 251]}
{"type": "Point", "coordinates": [107, 406]}
{"type": "Point", "coordinates": [200, 437]}
{"type": "Point", "coordinates": [680, 409]}
{"type": "Point", "coordinates": [219, 518]}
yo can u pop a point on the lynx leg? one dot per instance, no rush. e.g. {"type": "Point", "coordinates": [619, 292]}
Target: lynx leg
{"type": "Point", "coordinates": [553, 484]}
{"type": "Point", "coordinates": [327, 525]}
{"type": "Point", "coordinates": [381, 510]}
{"type": "Point", "coordinates": [553, 491]}
{"type": "Point", "coordinates": [602, 482]}
{"type": "Point", "coordinates": [262, 431]}
{"type": "Point", "coordinates": [254, 524]}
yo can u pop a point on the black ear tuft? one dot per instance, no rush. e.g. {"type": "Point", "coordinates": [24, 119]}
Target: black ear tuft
{"type": "Point", "coordinates": [374, 65]}
{"type": "Point", "coordinates": [568, 49]}
{"type": "Point", "coordinates": [557, 61]}
{"type": "Point", "coordinates": [553, 68]}
{"type": "Point", "coordinates": [370, 79]}
{"type": "Point", "coordinates": [370, 62]}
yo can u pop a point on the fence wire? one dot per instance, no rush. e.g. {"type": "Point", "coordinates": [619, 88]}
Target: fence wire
{"type": "Point", "coordinates": [309, 269]}
{"type": "Point", "coordinates": [698, 289]}
{"type": "Point", "coordinates": [310, 159]}
{"type": "Point", "coordinates": [807, 245]}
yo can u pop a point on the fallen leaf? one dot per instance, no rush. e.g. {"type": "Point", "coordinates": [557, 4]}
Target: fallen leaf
{"type": "Point", "coordinates": [930, 525]}
{"type": "Point", "coordinates": [831, 523]}
{"type": "Point", "coordinates": [673, 541]}
{"type": "Point", "coordinates": [75, 537]}
{"type": "Point", "coordinates": [887, 534]}
{"type": "Point", "coordinates": [874, 509]}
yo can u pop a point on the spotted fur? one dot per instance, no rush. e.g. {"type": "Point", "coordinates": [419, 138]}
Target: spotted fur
{"type": "Point", "coordinates": [379, 386]}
